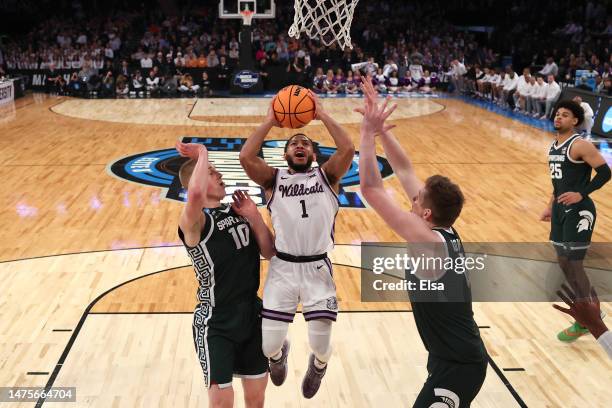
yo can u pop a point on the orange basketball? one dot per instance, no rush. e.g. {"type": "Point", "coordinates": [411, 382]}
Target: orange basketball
{"type": "Point", "coordinates": [294, 106]}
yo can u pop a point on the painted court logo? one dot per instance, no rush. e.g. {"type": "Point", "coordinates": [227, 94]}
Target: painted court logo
{"type": "Point", "coordinates": [160, 168]}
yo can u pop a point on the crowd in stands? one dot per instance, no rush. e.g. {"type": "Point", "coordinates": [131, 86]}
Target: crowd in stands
{"type": "Point", "coordinates": [402, 46]}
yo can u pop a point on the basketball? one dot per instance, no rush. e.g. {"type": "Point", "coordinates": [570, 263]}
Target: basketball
{"type": "Point", "coordinates": [294, 106]}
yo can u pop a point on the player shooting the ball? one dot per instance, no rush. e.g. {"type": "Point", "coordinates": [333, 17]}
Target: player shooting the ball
{"type": "Point", "coordinates": [303, 203]}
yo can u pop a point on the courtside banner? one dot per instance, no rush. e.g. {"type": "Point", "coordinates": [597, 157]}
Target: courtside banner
{"type": "Point", "coordinates": [484, 272]}
{"type": "Point", "coordinates": [7, 92]}
{"type": "Point", "coordinates": [36, 79]}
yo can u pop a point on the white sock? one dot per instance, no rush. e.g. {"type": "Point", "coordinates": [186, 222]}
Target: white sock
{"type": "Point", "coordinates": [278, 355]}
{"type": "Point", "coordinates": [319, 364]}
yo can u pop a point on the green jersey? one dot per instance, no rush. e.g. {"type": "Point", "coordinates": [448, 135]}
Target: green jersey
{"type": "Point", "coordinates": [226, 260]}
{"type": "Point", "coordinates": [444, 319]}
{"type": "Point", "coordinates": [566, 173]}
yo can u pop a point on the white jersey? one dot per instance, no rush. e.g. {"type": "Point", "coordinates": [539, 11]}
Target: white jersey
{"type": "Point", "coordinates": [303, 207]}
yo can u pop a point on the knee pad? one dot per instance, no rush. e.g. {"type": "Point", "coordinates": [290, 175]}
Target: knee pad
{"type": "Point", "coordinates": [319, 337]}
{"type": "Point", "coordinates": [273, 334]}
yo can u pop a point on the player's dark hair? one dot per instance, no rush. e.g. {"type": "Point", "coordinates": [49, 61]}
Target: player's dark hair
{"type": "Point", "coordinates": [186, 171]}
{"type": "Point", "coordinates": [445, 200]}
{"type": "Point", "coordinates": [573, 107]}
{"type": "Point", "coordinates": [297, 134]}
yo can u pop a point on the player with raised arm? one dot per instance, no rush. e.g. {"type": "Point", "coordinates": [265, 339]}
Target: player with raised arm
{"type": "Point", "coordinates": [457, 361]}
{"type": "Point", "coordinates": [303, 204]}
{"type": "Point", "coordinates": [224, 243]}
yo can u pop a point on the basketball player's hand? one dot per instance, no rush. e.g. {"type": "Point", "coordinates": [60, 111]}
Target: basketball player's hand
{"type": "Point", "coordinates": [243, 205]}
{"type": "Point", "coordinates": [190, 150]}
{"type": "Point", "coordinates": [569, 198]}
{"type": "Point", "coordinates": [319, 111]}
{"type": "Point", "coordinates": [270, 117]}
{"type": "Point", "coordinates": [546, 214]}
{"type": "Point", "coordinates": [587, 312]}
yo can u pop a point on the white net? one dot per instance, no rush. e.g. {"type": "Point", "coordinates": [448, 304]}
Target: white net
{"type": "Point", "coordinates": [327, 20]}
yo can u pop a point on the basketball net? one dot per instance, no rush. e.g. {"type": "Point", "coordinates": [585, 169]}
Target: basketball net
{"type": "Point", "coordinates": [247, 16]}
{"type": "Point", "coordinates": [327, 20]}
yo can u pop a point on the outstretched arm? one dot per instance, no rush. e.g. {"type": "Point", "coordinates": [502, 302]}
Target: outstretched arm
{"type": "Point", "coordinates": [399, 160]}
{"type": "Point", "coordinates": [192, 218]}
{"type": "Point", "coordinates": [244, 206]}
{"type": "Point", "coordinates": [254, 166]}
{"type": "Point", "coordinates": [408, 225]}
{"type": "Point", "coordinates": [401, 164]}
{"type": "Point", "coordinates": [338, 164]}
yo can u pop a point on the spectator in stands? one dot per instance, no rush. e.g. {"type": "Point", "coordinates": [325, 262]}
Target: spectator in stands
{"type": "Point", "coordinates": [224, 72]}
{"type": "Point", "coordinates": [340, 81]}
{"type": "Point", "coordinates": [179, 61]}
{"type": "Point", "coordinates": [205, 86]}
{"type": "Point", "coordinates": [75, 86]}
{"type": "Point", "coordinates": [108, 85]}
{"type": "Point", "coordinates": [159, 60]}
{"type": "Point", "coordinates": [553, 90]}
{"type": "Point", "coordinates": [212, 60]}
{"type": "Point", "coordinates": [550, 68]}
{"type": "Point", "coordinates": [329, 84]}
{"type": "Point", "coordinates": [170, 86]}
{"type": "Point", "coordinates": [380, 81]}
{"type": "Point", "coordinates": [53, 78]}
{"type": "Point", "coordinates": [187, 87]}
{"type": "Point", "coordinates": [138, 83]}
{"type": "Point", "coordinates": [152, 83]}
{"type": "Point", "coordinates": [125, 69]}
{"type": "Point", "coordinates": [521, 91]}
{"type": "Point", "coordinates": [482, 82]}
{"type": "Point", "coordinates": [509, 88]}
{"type": "Point", "coordinates": [607, 87]}
{"type": "Point", "coordinates": [352, 86]}
{"type": "Point", "coordinates": [202, 61]}
{"type": "Point", "coordinates": [122, 88]}
{"type": "Point", "coordinates": [168, 66]}
{"type": "Point", "coordinates": [538, 99]}
{"type": "Point", "coordinates": [146, 62]}
{"type": "Point", "coordinates": [428, 83]}
{"type": "Point", "coordinates": [407, 83]}
{"type": "Point", "coordinates": [457, 73]}
{"type": "Point", "coordinates": [530, 88]}
{"type": "Point", "coordinates": [503, 80]}
{"type": "Point", "coordinates": [587, 124]}
{"type": "Point", "coordinates": [393, 85]}
{"type": "Point", "coordinates": [318, 80]}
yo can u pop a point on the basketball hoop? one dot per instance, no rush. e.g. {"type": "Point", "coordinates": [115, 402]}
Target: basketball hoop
{"type": "Point", "coordinates": [328, 20]}
{"type": "Point", "coordinates": [247, 16]}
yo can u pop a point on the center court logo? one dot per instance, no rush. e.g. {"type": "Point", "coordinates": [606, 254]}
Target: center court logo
{"type": "Point", "coordinates": [160, 168]}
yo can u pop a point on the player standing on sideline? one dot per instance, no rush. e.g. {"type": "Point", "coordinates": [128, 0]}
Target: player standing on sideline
{"type": "Point", "coordinates": [457, 361]}
{"type": "Point", "coordinates": [303, 203]}
{"type": "Point", "coordinates": [224, 243]}
{"type": "Point", "coordinates": [571, 212]}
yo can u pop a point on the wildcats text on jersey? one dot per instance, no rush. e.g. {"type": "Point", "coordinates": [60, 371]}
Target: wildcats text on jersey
{"type": "Point", "coordinates": [159, 168]}
{"type": "Point", "coordinates": [295, 190]}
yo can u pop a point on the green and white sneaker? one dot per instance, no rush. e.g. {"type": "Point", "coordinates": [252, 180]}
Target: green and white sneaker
{"type": "Point", "coordinates": [572, 333]}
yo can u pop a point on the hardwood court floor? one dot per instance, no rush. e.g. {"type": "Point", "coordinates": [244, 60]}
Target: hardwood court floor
{"type": "Point", "coordinates": [133, 346]}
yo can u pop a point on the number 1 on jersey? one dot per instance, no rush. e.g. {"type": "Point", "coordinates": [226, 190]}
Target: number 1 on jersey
{"type": "Point", "coordinates": [304, 213]}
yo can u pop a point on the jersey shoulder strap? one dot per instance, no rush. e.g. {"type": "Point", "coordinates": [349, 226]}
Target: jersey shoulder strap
{"type": "Point", "coordinates": [204, 234]}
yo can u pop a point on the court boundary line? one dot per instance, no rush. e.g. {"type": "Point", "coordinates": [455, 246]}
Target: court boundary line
{"type": "Point", "coordinates": [87, 312]}
{"type": "Point", "coordinates": [79, 326]}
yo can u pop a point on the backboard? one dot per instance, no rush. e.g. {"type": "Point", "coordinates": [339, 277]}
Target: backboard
{"type": "Point", "coordinates": [232, 8]}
